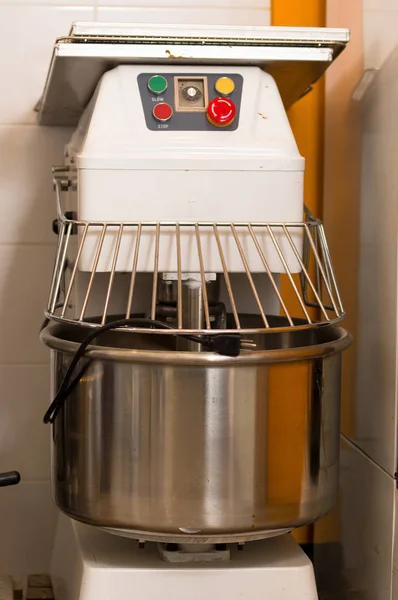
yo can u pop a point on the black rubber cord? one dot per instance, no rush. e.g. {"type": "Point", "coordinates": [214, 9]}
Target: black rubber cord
{"type": "Point", "coordinates": [224, 344]}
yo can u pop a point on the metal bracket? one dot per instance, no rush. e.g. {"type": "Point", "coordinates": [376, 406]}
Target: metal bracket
{"type": "Point", "coordinates": [60, 176]}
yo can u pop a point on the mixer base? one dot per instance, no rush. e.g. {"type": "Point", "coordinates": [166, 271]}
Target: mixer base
{"type": "Point", "coordinates": [90, 564]}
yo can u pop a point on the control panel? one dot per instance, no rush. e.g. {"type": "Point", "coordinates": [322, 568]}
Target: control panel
{"type": "Point", "coordinates": [191, 102]}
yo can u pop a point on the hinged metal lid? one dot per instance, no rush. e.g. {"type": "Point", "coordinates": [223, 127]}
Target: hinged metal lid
{"type": "Point", "coordinates": [295, 56]}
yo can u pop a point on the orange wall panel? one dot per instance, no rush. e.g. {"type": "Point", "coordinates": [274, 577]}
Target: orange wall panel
{"type": "Point", "coordinates": [307, 121]}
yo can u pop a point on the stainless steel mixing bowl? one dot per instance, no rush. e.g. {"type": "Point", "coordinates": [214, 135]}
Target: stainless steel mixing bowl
{"type": "Point", "coordinates": [168, 445]}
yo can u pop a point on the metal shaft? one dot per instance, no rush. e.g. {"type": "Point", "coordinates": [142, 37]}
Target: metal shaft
{"type": "Point", "coordinates": [193, 313]}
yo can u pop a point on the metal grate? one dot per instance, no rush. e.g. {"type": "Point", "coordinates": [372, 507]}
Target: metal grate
{"type": "Point", "coordinates": [218, 35]}
{"type": "Point", "coordinates": [202, 41]}
{"type": "Point", "coordinates": [298, 249]}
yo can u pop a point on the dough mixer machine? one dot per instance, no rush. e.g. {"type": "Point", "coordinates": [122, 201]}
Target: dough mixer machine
{"type": "Point", "coordinates": [177, 349]}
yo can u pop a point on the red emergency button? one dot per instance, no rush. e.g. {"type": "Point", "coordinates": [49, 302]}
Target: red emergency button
{"type": "Point", "coordinates": [162, 111]}
{"type": "Point", "coordinates": [221, 112]}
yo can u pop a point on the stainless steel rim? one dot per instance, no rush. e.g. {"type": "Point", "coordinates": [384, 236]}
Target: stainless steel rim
{"type": "Point", "coordinates": [343, 340]}
{"type": "Point", "coordinates": [243, 330]}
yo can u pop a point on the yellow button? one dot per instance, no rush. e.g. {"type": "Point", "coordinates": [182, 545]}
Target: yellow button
{"type": "Point", "coordinates": [225, 85]}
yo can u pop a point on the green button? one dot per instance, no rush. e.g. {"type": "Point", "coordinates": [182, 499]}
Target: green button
{"type": "Point", "coordinates": [157, 84]}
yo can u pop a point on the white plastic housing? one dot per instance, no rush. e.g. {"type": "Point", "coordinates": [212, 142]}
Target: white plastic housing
{"type": "Point", "coordinates": [127, 172]}
{"type": "Point", "coordinates": [89, 564]}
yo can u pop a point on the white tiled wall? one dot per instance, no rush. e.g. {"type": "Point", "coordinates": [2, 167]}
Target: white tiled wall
{"type": "Point", "coordinates": [380, 31]}
{"type": "Point", "coordinates": [367, 506]}
{"type": "Point", "coordinates": [232, 12]}
{"type": "Point", "coordinates": [28, 29]}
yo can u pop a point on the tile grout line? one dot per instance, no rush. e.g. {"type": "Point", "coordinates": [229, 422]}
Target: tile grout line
{"type": "Point", "coordinates": [354, 445]}
{"type": "Point", "coordinates": [60, 4]}
{"type": "Point", "coordinates": [95, 6]}
{"type": "Point", "coordinates": [203, 9]}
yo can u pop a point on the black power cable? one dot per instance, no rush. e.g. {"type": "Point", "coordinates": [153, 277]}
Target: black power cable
{"type": "Point", "coordinates": [226, 344]}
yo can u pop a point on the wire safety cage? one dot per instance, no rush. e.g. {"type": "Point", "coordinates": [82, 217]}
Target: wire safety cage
{"type": "Point", "coordinates": [300, 248]}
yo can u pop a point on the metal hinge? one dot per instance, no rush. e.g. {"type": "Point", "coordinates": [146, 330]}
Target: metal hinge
{"type": "Point", "coordinates": [60, 175]}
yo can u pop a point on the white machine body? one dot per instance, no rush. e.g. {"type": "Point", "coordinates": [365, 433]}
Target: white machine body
{"type": "Point", "coordinates": [128, 171]}
{"type": "Point", "coordinates": [89, 564]}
